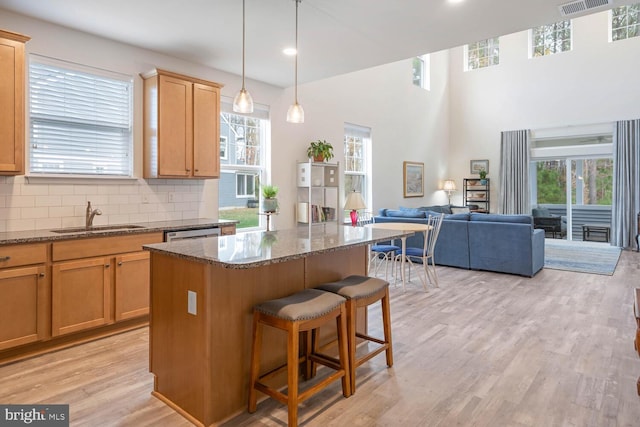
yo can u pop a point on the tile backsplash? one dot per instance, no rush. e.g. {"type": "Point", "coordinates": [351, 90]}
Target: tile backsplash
{"type": "Point", "coordinates": [45, 204]}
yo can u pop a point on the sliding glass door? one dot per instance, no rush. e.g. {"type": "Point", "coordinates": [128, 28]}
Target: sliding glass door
{"type": "Point", "coordinates": [580, 190]}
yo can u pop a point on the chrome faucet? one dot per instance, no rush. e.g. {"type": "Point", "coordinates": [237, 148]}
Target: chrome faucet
{"type": "Point", "coordinates": [91, 213]}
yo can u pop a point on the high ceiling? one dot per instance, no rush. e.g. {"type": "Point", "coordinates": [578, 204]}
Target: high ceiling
{"type": "Point", "coordinates": [335, 36]}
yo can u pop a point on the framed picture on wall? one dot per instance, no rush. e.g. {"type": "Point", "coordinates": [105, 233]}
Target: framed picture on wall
{"type": "Point", "coordinates": [477, 165]}
{"type": "Point", "coordinates": [413, 173]}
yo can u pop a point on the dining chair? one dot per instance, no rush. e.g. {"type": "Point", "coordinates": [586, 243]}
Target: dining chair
{"type": "Point", "coordinates": [425, 254]}
{"type": "Point", "coordinates": [378, 253]}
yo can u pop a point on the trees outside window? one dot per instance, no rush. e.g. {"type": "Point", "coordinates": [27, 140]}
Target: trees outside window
{"type": "Point", "coordinates": [550, 39]}
{"type": "Point", "coordinates": [625, 22]}
{"type": "Point", "coordinates": [484, 53]}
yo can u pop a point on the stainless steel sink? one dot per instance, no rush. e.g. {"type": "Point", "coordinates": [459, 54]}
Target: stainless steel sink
{"type": "Point", "coordinates": [96, 228]}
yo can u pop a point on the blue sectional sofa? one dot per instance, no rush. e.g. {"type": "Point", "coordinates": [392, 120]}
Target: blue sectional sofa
{"type": "Point", "coordinates": [492, 242]}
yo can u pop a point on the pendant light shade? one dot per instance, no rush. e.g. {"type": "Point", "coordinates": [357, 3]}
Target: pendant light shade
{"type": "Point", "coordinates": [242, 102]}
{"type": "Point", "coordinates": [295, 113]}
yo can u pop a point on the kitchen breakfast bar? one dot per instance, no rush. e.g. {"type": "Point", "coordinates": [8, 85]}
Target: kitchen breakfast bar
{"type": "Point", "coordinates": [202, 295]}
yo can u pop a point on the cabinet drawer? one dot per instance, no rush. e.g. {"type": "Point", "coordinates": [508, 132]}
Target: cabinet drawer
{"type": "Point", "coordinates": [101, 246]}
{"type": "Point", "coordinates": [17, 255]}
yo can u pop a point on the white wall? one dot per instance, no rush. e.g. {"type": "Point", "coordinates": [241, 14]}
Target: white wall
{"type": "Point", "coordinates": [459, 119]}
{"type": "Point", "coordinates": [407, 124]}
{"type": "Point", "coordinates": [596, 82]}
{"type": "Point", "coordinates": [52, 204]}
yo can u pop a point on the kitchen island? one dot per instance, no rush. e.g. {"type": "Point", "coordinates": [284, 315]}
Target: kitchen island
{"type": "Point", "coordinates": [202, 294]}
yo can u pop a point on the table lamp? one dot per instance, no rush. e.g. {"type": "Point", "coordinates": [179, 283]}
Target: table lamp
{"type": "Point", "coordinates": [449, 186]}
{"type": "Point", "coordinates": [353, 203]}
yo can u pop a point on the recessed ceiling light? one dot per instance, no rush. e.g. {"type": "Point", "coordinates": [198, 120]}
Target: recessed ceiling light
{"type": "Point", "coordinates": [289, 51]}
{"type": "Point", "coordinates": [455, 1]}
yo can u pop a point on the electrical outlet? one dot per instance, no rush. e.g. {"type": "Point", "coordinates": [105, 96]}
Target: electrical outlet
{"type": "Point", "coordinates": [145, 198]}
{"type": "Point", "coordinates": [192, 303]}
{"type": "Point", "coordinates": [171, 197]}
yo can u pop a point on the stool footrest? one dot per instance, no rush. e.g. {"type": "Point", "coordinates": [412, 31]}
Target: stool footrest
{"type": "Point", "coordinates": [368, 356]}
{"type": "Point", "coordinates": [325, 360]}
{"type": "Point", "coordinates": [278, 395]}
{"type": "Point", "coordinates": [370, 338]}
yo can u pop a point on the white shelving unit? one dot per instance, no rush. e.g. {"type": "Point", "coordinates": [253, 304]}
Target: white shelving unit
{"type": "Point", "coordinates": [318, 192]}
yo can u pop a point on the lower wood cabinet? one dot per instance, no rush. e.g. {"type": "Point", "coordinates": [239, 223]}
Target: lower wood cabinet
{"type": "Point", "coordinates": [81, 291]}
{"type": "Point", "coordinates": [99, 281]}
{"type": "Point", "coordinates": [23, 305]}
{"type": "Point", "coordinates": [132, 285]}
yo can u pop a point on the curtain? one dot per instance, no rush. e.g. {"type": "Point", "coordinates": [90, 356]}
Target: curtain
{"type": "Point", "coordinates": [514, 192]}
{"type": "Point", "coordinates": [626, 183]}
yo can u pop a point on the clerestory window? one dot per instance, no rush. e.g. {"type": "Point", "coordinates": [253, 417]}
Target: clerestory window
{"type": "Point", "coordinates": [550, 39]}
{"type": "Point", "coordinates": [624, 22]}
{"type": "Point", "coordinates": [484, 53]}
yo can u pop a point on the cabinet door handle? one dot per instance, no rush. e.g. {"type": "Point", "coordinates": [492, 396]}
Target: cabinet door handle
{"type": "Point", "coordinates": [197, 170]}
{"type": "Point", "coordinates": [119, 262]}
{"type": "Point", "coordinates": [5, 258]}
{"type": "Point", "coordinates": [107, 265]}
{"type": "Point", "coordinates": [41, 274]}
{"type": "Point", "coordinates": [188, 170]}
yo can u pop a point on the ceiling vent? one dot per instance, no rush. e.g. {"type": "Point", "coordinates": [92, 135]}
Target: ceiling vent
{"type": "Point", "coordinates": [579, 6]}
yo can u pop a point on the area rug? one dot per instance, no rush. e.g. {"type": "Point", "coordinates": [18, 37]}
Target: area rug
{"type": "Point", "coordinates": [582, 257]}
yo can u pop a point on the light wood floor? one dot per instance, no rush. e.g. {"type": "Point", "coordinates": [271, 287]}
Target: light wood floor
{"type": "Point", "coordinates": [484, 349]}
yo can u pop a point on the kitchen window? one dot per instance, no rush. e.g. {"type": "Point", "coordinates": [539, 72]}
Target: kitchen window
{"type": "Point", "coordinates": [80, 120]}
{"type": "Point", "coordinates": [243, 164]}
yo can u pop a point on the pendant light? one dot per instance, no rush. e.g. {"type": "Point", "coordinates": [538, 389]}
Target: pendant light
{"type": "Point", "coordinates": [243, 103]}
{"type": "Point", "coordinates": [295, 113]}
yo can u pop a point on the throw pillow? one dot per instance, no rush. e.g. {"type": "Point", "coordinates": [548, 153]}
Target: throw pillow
{"type": "Point", "coordinates": [459, 210]}
{"type": "Point", "coordinates": [414, 213]}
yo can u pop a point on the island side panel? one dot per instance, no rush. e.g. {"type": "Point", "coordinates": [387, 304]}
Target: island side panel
{"type": "Point", "coordinates": [233, 294]}
{"type": "Point", "coordinates": [336, 265]}
{"type": "Point", "coordinates": [178, 339]}
{"type": "Point", "coordinates": [332, 266]}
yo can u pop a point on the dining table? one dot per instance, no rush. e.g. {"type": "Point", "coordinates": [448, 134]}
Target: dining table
{"type": "Point", "coordinates": [402, 226]}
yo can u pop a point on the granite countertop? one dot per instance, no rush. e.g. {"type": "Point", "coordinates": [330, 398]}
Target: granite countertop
{"type": "Point", "coordinates": [99, 230]}
{"type": "Point", "coordinates": [254, 249]}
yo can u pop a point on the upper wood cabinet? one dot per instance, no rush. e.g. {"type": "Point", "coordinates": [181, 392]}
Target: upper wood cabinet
{"type": "Point", "coordinates": [12, 95]}
{"type": "Point", "coordinates": [181, 126]}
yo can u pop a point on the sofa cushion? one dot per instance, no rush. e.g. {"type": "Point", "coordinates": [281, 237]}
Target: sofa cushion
{"type": "Point", "coordinates": [414, 213]}
{"type": "Point", "coordinates": [458, 216]}
{"type": "Point", "coordinates": [518, 219]}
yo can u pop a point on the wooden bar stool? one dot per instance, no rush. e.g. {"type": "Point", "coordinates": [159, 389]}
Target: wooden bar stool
{"type": "Point", "coordinates": [362, 291]}
{"type": "Point", "coordinates": [301, 312]}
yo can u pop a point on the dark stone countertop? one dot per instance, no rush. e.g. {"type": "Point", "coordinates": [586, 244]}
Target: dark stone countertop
{"type": "Point", "coordinates": [257, 248]}
{"type": "Point", "coordinates": [99, 230]}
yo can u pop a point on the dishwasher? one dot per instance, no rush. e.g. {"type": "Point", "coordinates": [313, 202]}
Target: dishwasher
{"type": "Point", "coordinates": [170, 236]}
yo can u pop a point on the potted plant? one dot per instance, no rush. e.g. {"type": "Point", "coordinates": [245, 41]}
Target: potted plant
{"type": "Point", "coordinates": [270, 203]}
{"type": "Point", "coordinates": [483, 176]}
{"type": "Point", "coordinates": [320, 150]}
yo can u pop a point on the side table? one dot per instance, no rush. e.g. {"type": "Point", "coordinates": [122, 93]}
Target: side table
{"type": "Point", "coordinates": [597, 230]}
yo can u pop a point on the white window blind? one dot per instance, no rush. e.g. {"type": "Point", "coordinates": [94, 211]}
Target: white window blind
{"type": "Point", "coordinates": [80, 120]}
